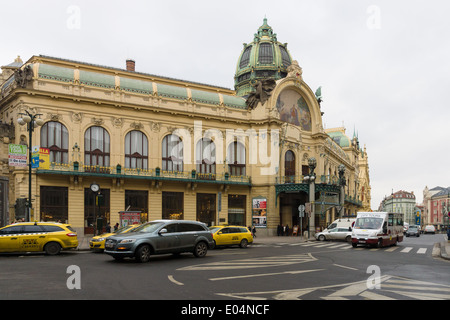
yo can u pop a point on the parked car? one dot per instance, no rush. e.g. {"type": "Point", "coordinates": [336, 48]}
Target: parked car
{"type": "Point", "coordinates": [159, 237]}
{"type": "Point", "coordinates": [413, 231]}
{"type": "Point", "coordinates": [50, 237]}
{"type": "Point", "coordinates": [231, 235]}
{"type": "Point", "coordinates": [429, 229]}
{"type": "Point", "coordinates": [341, 223]}
{"type": "Point", "coordinates": [335, 234]}
{"type": "Point", "coordinates": [97, 243]}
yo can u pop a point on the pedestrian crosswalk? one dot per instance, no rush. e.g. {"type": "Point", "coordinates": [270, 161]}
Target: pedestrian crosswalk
{"type": "Point", "coordinates": [344, 246]}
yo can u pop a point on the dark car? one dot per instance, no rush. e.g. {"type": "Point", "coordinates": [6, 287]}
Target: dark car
{"type": "Point", "coordinates": [413, 231]}
{"type": "Point", "coordinates": [160, 237]}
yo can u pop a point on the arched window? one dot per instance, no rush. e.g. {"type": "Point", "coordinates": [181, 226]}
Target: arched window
{"type": "Point", "coordinates": [54, 136]}
{"type": "Point", "coordinates": [136, 150]}
{"type": "Point", "coordinates": [289, 166]}
{"type": "Point", "coordinates": [172, 153]}
{"type": "Point", "coordinates": [236, 159]}
{"type": "Point", "coordinates": [96, 147]}
{"type": "Point", "coordinates": [205, 156]}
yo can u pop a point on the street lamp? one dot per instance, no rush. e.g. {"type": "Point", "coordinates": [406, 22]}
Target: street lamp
{"type": "Point", "coordinates": [32, 121]}
{"type": "Point", "coordinates": [312, 162]}
{"type": "Point", "coordinates": [342, 183]}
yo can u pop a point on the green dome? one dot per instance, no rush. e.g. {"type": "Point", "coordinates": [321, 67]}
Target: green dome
{"type": "Point", "coordinates": [264, 58]}
{"type": "Point", "coordinates": [340, 138]}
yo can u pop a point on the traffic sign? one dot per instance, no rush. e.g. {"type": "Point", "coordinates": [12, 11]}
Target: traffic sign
{"type": "Point", "coordinates": [301, 210]}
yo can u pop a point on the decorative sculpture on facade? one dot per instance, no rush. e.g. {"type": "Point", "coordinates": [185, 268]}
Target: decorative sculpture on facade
{"type": "Point", "coordinates": [263, 90]}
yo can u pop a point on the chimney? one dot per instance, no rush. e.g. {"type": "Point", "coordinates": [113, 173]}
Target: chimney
{"type": "Point", "coordinates": [131, 64]}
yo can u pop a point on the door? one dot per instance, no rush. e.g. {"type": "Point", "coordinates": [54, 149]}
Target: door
{"type": "Point", "coordinates": [168, 241]}
{"type": "Point", "coordinates": [225, 237]}
{"type": "Point", "coordinates": [33, 238]}
{"type": "Point", "coordinates": [9, 238]}
{"type": "Point", "coordinates": [189, 233]}
{"type": "Point", "coordinates": [235, 235]}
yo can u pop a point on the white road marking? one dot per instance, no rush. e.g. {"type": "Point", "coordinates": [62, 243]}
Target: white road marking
{"type": "Point", "coordinates": [406, 250]}
{"type": "Point", "coordinates": [264, 274]}
{"type": "Point", "coordinates": [174, 281]}
{"type": "Point", "coordinates": [345, 267]}
{"type": "Point", "coordinates": [422, 251]}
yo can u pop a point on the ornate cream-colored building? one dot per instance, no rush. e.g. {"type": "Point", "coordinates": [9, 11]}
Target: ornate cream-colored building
{"type": "Point", "coordinates": [172, 148]}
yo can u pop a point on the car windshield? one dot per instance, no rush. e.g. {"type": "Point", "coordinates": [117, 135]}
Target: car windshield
{"type": "Point", "coordinates": [214, 229]}
{"type": "Point", "coordinates": [149, 227]}
{"type": "Point", "coordinates": [368, 223]}
{"type": "Point", "coordinates": [124, 229]}
{"type": "Point", "coordinates": [412, 227]}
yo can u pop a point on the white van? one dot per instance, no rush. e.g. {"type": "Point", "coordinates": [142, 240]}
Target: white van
{"type": "Point", "coordinates": [377, 229]}
{"type": "Point", "coordinates": [341, 223]}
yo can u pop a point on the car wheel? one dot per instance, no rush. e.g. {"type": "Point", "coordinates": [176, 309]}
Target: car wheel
{"type": "Point", "coordinates": [348, 238]}
{"type": "Point", "coordinates": [380, 243]}
{"type": "Point", "coordinates": [354, 245]}
{"type": "Point", "coordinates": [143, 253]}
{"type": "Point", "coordinates": [244, 243]}
{"type": "Point", "coordinates": [321, 238]}
{"type": "Point", "coordinates": [200, 249]}
{"type": "Point", "coordinates": [52, 248]}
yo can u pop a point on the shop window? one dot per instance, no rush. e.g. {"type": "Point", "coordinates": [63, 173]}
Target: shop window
{"type": "Point", "coordinates": [137, 200]}
{"type": "Point", "coordinates": [92, 210]}
{"type": "Point", "coordinates": [236, 209]}
{"type": "Point", "coordinates": [172, 205]}
{"type": "Point", "coordinates": [206, 208]}
{"type": "Point", "coordinates": [54, 204]}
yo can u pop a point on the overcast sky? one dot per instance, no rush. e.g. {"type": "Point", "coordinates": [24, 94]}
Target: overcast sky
{"type": "Point", "coordinates": [383, 65]}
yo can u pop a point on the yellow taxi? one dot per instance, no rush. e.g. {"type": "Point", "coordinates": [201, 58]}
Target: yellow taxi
{"type": "Point", "coordinates": [50, 237]}
{"type": "Point", "coordinates": [97, 243]}
{"type": "Point", "coordinates": [231, 235]}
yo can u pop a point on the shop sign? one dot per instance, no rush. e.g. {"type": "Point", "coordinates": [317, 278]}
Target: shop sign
{"type": "Point", "coordinates": [17, 155]}
{"type": "Point", "coordinates": [129, 217]}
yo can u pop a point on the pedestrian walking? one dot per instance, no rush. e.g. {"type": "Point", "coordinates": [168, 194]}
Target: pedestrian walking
{"type": "Point", "coordinates": [254, 232]}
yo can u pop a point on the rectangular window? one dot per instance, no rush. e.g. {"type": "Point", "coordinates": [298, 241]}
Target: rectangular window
{"type": "Point", "coordinates": [236, 209]}
{"type": "Point", "coordinates": [137, 200]}
{"type": "Point", "coordinates": [54, 204]}
{"type": "Point", "coordinates": [94, 209]}
{"type": "Point", "coordinates": [206, 208]}
{"type": "Point", "coordinates": [172, 205]}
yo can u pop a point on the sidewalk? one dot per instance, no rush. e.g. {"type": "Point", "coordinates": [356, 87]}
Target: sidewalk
{"type": "Point", "coordinates": [444, 246]}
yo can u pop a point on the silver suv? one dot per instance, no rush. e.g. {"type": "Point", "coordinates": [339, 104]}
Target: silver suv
{"type": "Point", "coordinates": [159, 237]}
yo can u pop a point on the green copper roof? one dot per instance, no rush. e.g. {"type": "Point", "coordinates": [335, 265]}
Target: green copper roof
{"type": "Point", "coordinates": [137, 86]}
{"type": "Point", "coordinates": [340, 138]}
{"type": "Point", "coordinates": [172, 91]}
{"type": "Point", "coordinates": [205, 96]}
{"type": "Point", "coordinates": [55, 73]}
{"type": "Point", "coordinates": [97, 79]}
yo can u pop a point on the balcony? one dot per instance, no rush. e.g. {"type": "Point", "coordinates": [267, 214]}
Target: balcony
{"type": "Point", "coordinates": [76, 169]}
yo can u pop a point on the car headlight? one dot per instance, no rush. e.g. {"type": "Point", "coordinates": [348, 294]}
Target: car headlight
{"type": "Point", "coordinates": [99, 239]}
{"type": "Point", "coordinates": [127, 241]}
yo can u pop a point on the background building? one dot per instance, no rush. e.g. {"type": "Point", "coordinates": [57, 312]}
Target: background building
{"type": "Point", "coordinates": [401, 202]}
{"type": "Point", "coordinates": [436, 203]}
{"type": "Point", "coordinates": [176, 149]}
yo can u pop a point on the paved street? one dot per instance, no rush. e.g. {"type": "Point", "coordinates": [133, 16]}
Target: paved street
{"type": "Point", "coordinates": [273, 268]}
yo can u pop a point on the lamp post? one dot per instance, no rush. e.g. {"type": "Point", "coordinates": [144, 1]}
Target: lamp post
{"type": "Point", "coordinates": [32, 121]}
{"type": "Point", "coordinates": [312, 197]}
{"type": "Point", "coordinates": [342, 183]}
